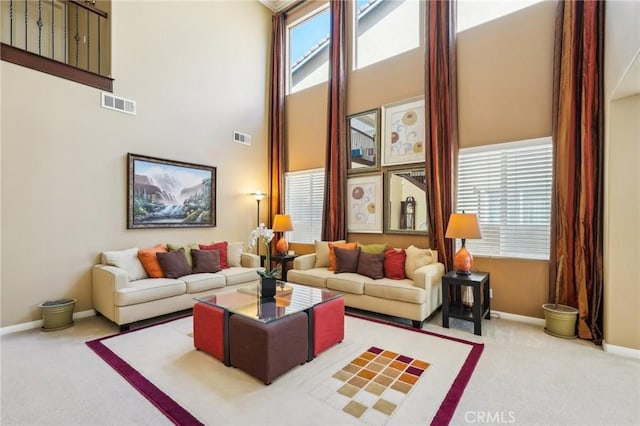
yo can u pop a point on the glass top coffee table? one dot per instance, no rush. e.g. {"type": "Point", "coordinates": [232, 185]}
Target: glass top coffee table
{"type": "Point", "coordinates": [290, 299]}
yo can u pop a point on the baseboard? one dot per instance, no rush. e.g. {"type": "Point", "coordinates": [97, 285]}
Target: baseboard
{"type": "Point", "coordinates": [37, 324]}
{"type": "Point", "coordinates": [620, 350]}
{"type": "Point", "coordinates": [520, 318]}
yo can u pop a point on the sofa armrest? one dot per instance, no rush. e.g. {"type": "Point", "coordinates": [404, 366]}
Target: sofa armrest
{"type": "Point", "coordinates": [250, 260]}
{"type": "Point", "coordinates": [304, 262]}
{"type": "Point", "coordinates": [429, 276]}
{"type": "Point", "coordinates": [105, 281]}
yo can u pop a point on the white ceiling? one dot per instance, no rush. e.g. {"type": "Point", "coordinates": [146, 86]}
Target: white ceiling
{"type": "Point", "coordinates": [277, 5]}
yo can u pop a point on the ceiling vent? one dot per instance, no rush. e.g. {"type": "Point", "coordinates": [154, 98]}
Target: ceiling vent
{"type": "Point", "coordinates": [117, 103]}
{"type": "Point", "coordinates": [242, 138]}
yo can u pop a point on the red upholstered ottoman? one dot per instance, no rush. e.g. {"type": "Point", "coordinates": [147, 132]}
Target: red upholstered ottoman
{"type": "Point", "coordinates": [328, 324]}
{"type": "Point", "coordinates": [208, 329]}
{"type": "Point", "coordinates": [267, 350]}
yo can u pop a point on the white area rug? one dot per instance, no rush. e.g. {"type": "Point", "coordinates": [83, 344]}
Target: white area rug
{"type": "Point", "coordinates": [191, 387]}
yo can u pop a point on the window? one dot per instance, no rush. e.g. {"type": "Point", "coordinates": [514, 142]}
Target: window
{"type": "Point", "coordinates": [509, 187]}
{"type": "Point", "coordinates": [384, 28]}
{"type": "Point", "coordinates": [476, 12]}
{"type": "Point", "coordinates": [308, 48]}
{"type": "Point", "coordinates": [303, 198]}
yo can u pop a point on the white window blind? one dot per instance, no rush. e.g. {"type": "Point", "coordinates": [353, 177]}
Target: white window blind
{"type": "Point", "coordinates": [304, 193]}
{"type": "Point", "coordinates": [509, 187]}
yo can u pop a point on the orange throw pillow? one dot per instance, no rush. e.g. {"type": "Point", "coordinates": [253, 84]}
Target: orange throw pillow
{"type": "Point", "coordinates": [332, 253]}
{"type": "Point", "coordinates": [150, 262]}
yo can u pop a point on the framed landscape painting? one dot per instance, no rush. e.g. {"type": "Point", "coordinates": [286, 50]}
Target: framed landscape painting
{"type": "Point", "coordinates": [169, 194]}
{"type": "Point", "coordinates": [364, 209]}
{"type": "Point", "coordinates": [404, 127]}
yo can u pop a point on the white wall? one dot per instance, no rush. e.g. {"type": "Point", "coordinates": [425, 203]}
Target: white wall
{"type": "Point", "coordinates": [622, 176]}
{"type": "Point", "coordinates": [197, 71]}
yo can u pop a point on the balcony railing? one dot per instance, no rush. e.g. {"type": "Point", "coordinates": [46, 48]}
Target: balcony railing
{"type": "Point", "coordinates": [67, 38]}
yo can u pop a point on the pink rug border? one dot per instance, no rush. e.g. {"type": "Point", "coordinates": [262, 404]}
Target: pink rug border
{"type": "Point", "coordinates": [180, 416]}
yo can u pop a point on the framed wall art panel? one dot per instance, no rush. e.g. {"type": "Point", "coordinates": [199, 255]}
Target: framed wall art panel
{"type": "Point", "coordinates": [403, 133]}
{"type": "Point", "coordinates": [169, 194]}
{"type": "Point", "coordinates": [364, 209]}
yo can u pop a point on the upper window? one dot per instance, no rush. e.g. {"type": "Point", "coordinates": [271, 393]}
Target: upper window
{"type": "Point", "coordinates": [476, 12]}
{"type": "Point", "coordinates": [384, 28]}
{"type": "Point", "coordinates": [303, 198]}
{"type": "Point", "coordinates": [308, 50]}
{"type": "Point", "coordinates": [509, 187]}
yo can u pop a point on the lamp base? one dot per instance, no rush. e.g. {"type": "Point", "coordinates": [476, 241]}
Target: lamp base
{"type": "Point", "coordinates": [462, 261]}
{"type": "Point", "coordinates": [282, 246]}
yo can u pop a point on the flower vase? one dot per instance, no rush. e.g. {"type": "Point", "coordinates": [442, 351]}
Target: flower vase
{"type": "Point", "coordinates": [267, 287]}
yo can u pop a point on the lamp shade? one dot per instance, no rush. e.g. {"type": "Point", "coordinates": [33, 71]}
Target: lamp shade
{"type": "Point", "coordinates": [463, 225]}
{"type": "Point", "coordinates": [258, 195]}
{"type": "Point", "coordinates": [282, 223]}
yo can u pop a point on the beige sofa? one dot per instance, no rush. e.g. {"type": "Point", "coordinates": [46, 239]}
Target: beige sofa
{"type": "Point", "coordinates": [414, 299]}
{"type": "Point", "coordinates": [125, 294]}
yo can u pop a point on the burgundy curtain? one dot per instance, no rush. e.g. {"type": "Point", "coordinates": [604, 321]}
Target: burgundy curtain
{"type": "Point", "coordinates": [578, 138]}
{"type": "Point", "coordinates": [334, 220]}
{"type": "Point", "coordinates": [441, 115]}
{"type": "Point", "coordinates": [276, 113]}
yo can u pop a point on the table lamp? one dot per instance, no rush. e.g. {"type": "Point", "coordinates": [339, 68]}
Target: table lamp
{"type": "Point", "coordinates": [282, 223]}
{"type": "Point", "coordinates": [463, 225]}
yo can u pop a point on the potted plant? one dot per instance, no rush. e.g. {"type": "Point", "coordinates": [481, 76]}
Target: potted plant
{"type": "Point", "coordinates": [268, 276]}
{"type": "Point", "coordinates": [560, 319]}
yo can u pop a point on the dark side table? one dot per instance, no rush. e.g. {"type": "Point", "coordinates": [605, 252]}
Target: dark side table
{"type": "Point", "coordinates": [481, 308]}
{"type": "Point", "coordinates": [283, 260]}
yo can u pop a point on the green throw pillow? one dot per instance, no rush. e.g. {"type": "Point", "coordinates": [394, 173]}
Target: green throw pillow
{"type": "Point", "coordinates": [372, 248]}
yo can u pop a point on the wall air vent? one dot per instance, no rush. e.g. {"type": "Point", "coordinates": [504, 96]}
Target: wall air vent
{"type": "Point", "coordinates": [117, 103]}
{"type": "Point", "coordinates": [242, 138]}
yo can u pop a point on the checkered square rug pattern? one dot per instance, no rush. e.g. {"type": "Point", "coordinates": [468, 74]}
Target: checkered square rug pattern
{"type": "Point", "coordinates": [372, 385]}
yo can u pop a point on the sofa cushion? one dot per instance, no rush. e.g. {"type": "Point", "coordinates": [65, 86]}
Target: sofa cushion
{"type": "Point", "coordinates": [371, 265]}
{"type": "Point", "coordinates": [202, 282]}
{"type": "Point", "coordinates": [372, 248]}
{"type": "Point", "coordinates": [150, 261]}
{"type": "Point", "coordinates": [394, 260]}
{"type": "Point", "coordinates": [221, 247]}
{"type": "Point", "coordinates": [148, 289]}
{"type": "Point", "coordinates": [174, 263]}
{"type": "Point", "coordinates": [127, 260]}
{"type": "Point", "coordinates": [205, 261]}
{"type": "Point", "coordinates": [416, 258]}
{"type": "Point", "coordinates": [346, 260]}
{"type": "Point", "coordinates": [187, 250]}
{"type": "Point", "coordinates": [332, 253]}
{"type": "Point", "coordinates": [314, 277]}
{"type": "Point", "coordinates": [401, 290]}
{"type": "Point", "coordinates": [347, 283]}
{"type": "Point", "coordinates": [234, 254]}
{"type": "Point", "coordinates": [322, 253]}
{"type": "Point", "coordinates": [236, 275]}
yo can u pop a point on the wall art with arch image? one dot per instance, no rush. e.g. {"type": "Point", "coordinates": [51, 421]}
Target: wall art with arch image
{"type": "Point", "coordinates": [364, 209]}
{"type": "Point", "coordinates": [169, 194]}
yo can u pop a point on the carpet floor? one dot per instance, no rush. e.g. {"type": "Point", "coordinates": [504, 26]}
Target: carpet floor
{"type": "Point", "coordinates": [380, 374]}
{"type": "Point", "coordinates": [524, 377]}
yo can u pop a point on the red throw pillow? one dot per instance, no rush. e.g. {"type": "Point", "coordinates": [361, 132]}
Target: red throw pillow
{"type": "Point", "coordinates": [221, 247]}
{"type": "Point", "coordinates": [394, 263]}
